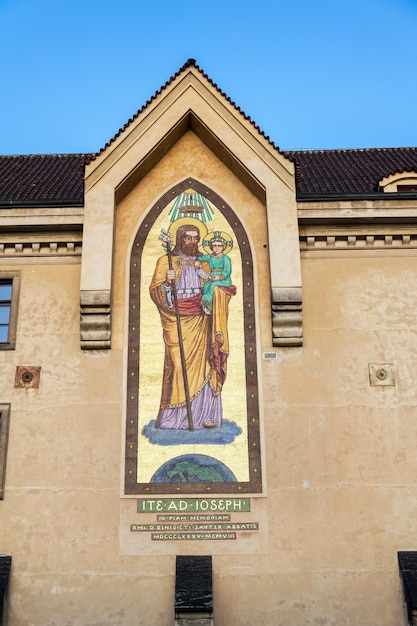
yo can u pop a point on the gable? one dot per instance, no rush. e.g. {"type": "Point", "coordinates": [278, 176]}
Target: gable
{"type": "Point", "coordinates": [188, 103]}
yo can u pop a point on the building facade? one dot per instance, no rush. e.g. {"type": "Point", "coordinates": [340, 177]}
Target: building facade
{"type": "Point", "coordinates": [207, 349]}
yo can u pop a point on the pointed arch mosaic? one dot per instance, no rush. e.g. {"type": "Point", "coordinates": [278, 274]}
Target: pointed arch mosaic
{"type": "Point", "coordinates": [192, 415]}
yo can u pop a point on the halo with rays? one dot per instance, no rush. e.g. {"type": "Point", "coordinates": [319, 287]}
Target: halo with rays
{"type": "Point", "coordinates": [191, 204]}
{"type": "Point", "coordinates": [191, 221]}
{"type": "Point", "coordinates": [217, 235]}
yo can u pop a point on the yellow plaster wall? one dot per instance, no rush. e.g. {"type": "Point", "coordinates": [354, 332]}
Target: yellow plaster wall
{"type": "Point", "coordinates": [339, 454]}
{"type": "Point", "coordinates": [59, 516]}
{"type": "Point", "coordinates": [339, 463]}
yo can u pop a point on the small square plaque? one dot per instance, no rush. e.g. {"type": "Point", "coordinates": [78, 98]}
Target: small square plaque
{"type": "Point", "coordinates": [27, 377]}
{"type": "Point", "coordinates": [381, 374]}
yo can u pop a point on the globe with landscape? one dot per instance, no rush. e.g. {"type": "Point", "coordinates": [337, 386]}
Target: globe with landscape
{"type": "Point", "coordinates": [193, 468]}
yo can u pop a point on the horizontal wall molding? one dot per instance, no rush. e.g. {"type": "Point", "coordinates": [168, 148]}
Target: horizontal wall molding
{"type": "Point", "coordinates": [53, 248]}
{"type": "Point", "coordinates": [357, 241]}
{"type": "Point", "coordinates": [308, 242]}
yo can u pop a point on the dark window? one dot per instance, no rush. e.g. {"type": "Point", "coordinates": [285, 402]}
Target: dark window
{"type": "Point", "coordinates": [5, 565]}
{"type": "Point", "coordinates": [4, 435]}
{"type": "Point", "coordinates": [407, 188]}
{"type": "Point", "coordinates": [408, 570]}
{"type": "Point", "coordinates": [6, 287]}
{"type": "Point", "coordinates": [9, 293]}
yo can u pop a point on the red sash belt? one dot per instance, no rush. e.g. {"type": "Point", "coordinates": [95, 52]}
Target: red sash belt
{"type": "Point", "coordinates": [190, 306]}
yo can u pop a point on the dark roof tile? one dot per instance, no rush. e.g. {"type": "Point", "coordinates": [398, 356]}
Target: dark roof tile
{"type": "Point", "coordinates": [42, 178]}
{"type": "Point", "coordinates": [58, 179]}
{"type": "Point", "coordinates": [348, 172]}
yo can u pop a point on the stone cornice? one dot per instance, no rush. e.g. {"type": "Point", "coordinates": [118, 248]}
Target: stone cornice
{"type": "Point", "coordinates": [358, 225]}
{"type": "Point", "coordinates": [390, 238]}
{"type": "Point", "coordinates": [40, 215]}
{"type": "Point", "coordinates": [398, 210]}
{"type": "Point", "coordinates": [41, 232]}
{"type": "Point", "coordinates": [41, 245]}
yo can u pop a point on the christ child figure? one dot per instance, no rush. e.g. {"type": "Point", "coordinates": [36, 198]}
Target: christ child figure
{"type": "Point", "coordinates": [219, 264]}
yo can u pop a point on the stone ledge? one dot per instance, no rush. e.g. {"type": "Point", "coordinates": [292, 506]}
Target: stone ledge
{"type": "Point", "coordinates": [95, 320]}
{"type": "Point", "coordinates": [287, 317]}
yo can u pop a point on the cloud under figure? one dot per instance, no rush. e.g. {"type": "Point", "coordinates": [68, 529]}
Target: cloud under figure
{"type": "Point", "coordinates": [226, 433]}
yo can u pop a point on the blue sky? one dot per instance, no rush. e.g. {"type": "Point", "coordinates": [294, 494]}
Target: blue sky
{"type": "Point", "coordinates": [313, 74]}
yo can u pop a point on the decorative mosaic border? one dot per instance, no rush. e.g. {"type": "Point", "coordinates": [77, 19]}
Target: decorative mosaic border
{"type": "Point", "coordinates": [254, 485]}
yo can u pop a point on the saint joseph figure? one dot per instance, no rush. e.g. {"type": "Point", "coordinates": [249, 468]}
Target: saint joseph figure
{"type": "Point", "coordinates": [204, 337]}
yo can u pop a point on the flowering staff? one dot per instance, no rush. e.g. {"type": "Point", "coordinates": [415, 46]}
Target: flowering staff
{"type": "Point", "coordinates": [166, 239]}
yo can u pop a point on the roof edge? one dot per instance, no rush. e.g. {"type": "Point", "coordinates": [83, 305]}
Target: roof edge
{"type": "Point", "coordinates": [346, 197]}
{"type": "Point", "coordinates": [41, 204]}
{"type": "Point", "coordinates": [188, 64]}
